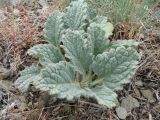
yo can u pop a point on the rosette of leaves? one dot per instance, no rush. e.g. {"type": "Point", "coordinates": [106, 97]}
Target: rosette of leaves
{"type": "Point", "coordinates": [79, 60]}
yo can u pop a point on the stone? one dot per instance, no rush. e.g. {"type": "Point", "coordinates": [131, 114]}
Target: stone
{"type": "Point", "coordinates": [121, 112]}
{"type": "Point", "coordinates": [129, 103]}
{"type": "Point", "coordinates": [149, 95]}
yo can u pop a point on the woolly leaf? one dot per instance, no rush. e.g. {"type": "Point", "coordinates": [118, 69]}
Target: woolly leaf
{"type": "Point", "coordinates": [59, 79]}
{"type": "Point", "coordinates": [98, 33]}
{"type": "Point", "coordinates": [116, 67]}
{"type": "Point", "coordinates": [46, 53]}
{"type": "Point", "coordinates": [106, 26]}
{"type": "Point", "coordinates": [97, 36]}
{"type": "Point", "coordinates": [103, 95]}
{"type": "Point", "coordinates": [53, 28]}
{"type": "Point", "coordinates": [100, 20]}
{"type": "Point", "coordinates": [126, 43]}
{"type": "Point", "coordinates": [75, 15]}
{"type": "Point", "coordinates": [77, 50]}
{"type": "Point", "coordinates": [27, 77]}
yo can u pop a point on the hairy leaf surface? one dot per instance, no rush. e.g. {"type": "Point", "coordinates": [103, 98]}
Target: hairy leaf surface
{"type": "Point", "coordinates": [47, 53]}
{"type": "Point", "coordinates": [59, 79]}
{"type": "Point", "coordinates": [76, 14]}
{"type": "Point", "coordinates": [77, 50]}
{"type": "Point", "coordinates": [97, 36]}
{"type": "Point", "coordinates": [104, 95]}
{"type": "Point", "coordinates": [27, 77]}
{"type": "Point", "coordinates": [106, 26]}
{"type": "Point", "coordinates": [116, 67]}
{"type": "Point", "coordinates": [53, 28]}
{"type": "Point", "coordinates": [126, 43]}
{"type": "Point", "coordinates": [98, 33]}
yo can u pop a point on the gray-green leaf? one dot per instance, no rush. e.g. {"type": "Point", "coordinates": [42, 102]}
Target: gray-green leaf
{"type": "Point", "coordinates": [47, 53]}
{"type": "Point", "coordinates": [59, 79]}
{"type": "Point", "coordinates": [53, 28]}
{"type": "Point", "coordinates": [27, 77]}
{"type": "Point", "coordinates": [126, 43]}
{"type": "Point", "coordinates": [97, 36]}
{"type": "Point", "coordinates": [116, 67]}
{"type": "Point", "coordinates": [104, 95]}
{"type": "Point", "coordinates": [77, 50]}
{"type": "Point", "coordinates": [75, 15]}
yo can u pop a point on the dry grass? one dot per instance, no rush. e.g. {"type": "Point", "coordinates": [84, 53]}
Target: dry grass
{"type": "Point", "coordinates": [150, 66]}
{"type": "Point", "coordinates": [21, 30]}
{"type": "Point", "coordinates": [18, 33]}
{"type": "Point", "coordinates": [126, 30]}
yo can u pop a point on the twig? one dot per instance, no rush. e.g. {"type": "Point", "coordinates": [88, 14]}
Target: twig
{"type": "Point", "coordinates": [41, 114]}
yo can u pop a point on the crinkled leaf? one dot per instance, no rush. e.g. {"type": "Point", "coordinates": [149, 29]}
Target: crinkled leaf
{"type": "Point", "coordinates": [75, 15]}
{"type": "Point", "coordinates": [53, 28]}
{"type": "Point", "coordinates": [59, 79]}
{"type": "Point", "coordinates": [103, 95]}
{"type": "Point", "coordinates": [98, 33]}
{"type": "Point", "coordinates": [106, 26]}
{"type": "Point", "coordinates": [77, 50]}
{"type": "Point", "coordinates": [126, 43]}
{"type": "Point", "coordinates": [100, 20]}
{"type": "Point", "coordinates": [47, 53]}
{"type": "Point", "coordinates": [97, 37]}
{"type": "Point", "coordinates": [91, 12]}
{"type": "Point", "coordinates": [27, 77]}
{"type": "Point", "coordinates": [116, 66]}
